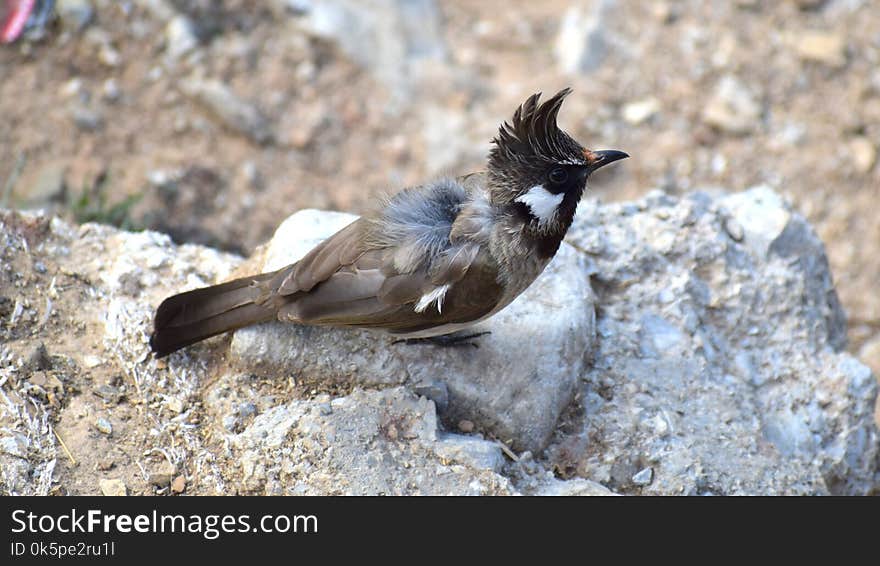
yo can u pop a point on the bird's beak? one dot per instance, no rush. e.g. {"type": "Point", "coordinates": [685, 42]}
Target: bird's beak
{"type": "Point", "coordinates": [602, 157]}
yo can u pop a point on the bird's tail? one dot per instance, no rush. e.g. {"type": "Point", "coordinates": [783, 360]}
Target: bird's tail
{"type": "Point", "coordinates": [193, 316]}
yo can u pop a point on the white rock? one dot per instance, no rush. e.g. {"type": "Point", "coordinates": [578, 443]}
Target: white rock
{"type": "Point", "coordinates": [470, 450]}
{"type": "Point", "coordinates": [581, 45]}
{"type": "Point", "coordinates": [392, 39]}
{"type": "Point", "coordinates": [640, 111]}
{"type": "Point", "coordinates": [733, 108]}
{"type": "Point", "coordinates": [863, 152]}
{"type": "Point", "coordinates": [820, 47]}
{"type": "Point", "coordinates": [233, 112]}
{"type": "Point", "coordinates": [761, 214]}
{"type": "Point", "coordinates": [577, 487]}
{"type": "Point", "coordinates": [745, 365]}
{"type": "Point", "coordinates": [180, 37]}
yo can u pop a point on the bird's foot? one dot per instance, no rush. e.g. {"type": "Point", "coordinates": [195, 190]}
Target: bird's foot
{"type": "Point", "coordinates": [445, 341]}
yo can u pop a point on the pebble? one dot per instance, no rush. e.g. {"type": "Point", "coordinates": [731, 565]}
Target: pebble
{"type": "Point", "coordinates": [644, 477]}
{"type": "Point", "coordinates": [820, 47]}
{"type": "Point", "coordinates": [863, 153]}
{"type": "Point", "coordinates": [582, 45]}
{"type": "Point", "coordinates": [87, 119]}
{"type": "Point", "coordinates": [108, 393]}
{"type": "Point", "coordinates": [39, 358]}
{"type": "Point", "coordinates": [229, 109]}
{"type": "Point", "coordinates": [175, 405]}
{"type": "Point", "coordinates": [734, 229]}
{"type": "Point", "coordinates": [75, 15]}
{"type": "Point", "coordinates": [110, 90]}
{"type": "Point", "coordinates": [178, 485]}
{"type": "Point", "coordinates": [112, 488]}
{"type": "Point", "coordinates": [109, 56]}
{"type": "Point", "coordinates": [71, 88]}
{"type": "Point", "coordinates": [48, 186]}
{"type": "Point", "coordinates": [640, 111]}
{"type": "Point", "coordinates": [162, 476]}
{"type": "Point", "coordinates": [733, 107]}
{"type": "Point", "coordinates": [870, 354]}
{"type": "Point", "coordinates": [104, 426]}
{"type": "Point", "coordinates": [180, 39]}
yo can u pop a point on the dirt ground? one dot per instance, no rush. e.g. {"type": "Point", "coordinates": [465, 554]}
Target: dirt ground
{"type": "Point", "coordinates": [103, 109]}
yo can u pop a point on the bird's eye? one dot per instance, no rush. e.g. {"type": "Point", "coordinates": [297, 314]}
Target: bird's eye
{"type": "Point", "coordinates": [558, 176]}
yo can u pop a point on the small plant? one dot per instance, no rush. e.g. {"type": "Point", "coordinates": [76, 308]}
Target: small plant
{"type": "Point", "coordinates": [93, 205]}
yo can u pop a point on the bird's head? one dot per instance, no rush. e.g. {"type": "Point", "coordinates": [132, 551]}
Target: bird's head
{"type": "Point", "coordinates": [539, 168]}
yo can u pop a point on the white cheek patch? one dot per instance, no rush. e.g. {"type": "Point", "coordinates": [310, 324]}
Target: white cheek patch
{"type": "Point", "coordinates": [542, 203]}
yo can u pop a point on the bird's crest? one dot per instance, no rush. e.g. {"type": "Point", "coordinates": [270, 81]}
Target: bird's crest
{"type": "Point", "coordinates": [533, 133]}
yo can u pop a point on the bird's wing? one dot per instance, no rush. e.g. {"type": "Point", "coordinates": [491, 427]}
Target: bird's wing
{"type": "Point", "coordinates": [457, 287]}
{"type": "Point", "coordinates": [404, 268]}
{"type": "Point", "coordinates": [339, 250]}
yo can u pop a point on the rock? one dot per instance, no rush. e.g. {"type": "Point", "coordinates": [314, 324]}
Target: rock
{"type": "Point", "coordinates": [864, 154]}
{"type": "Point", "coordinates": [445, 142]}
{"type": "Point", "coordinates": [577, 487]}
{"type": "Point", "coordinates": [471, 451]}
{"type": "Point", "coordinates": [15, 445]}
{"type": "Point", "coordinates": [178, 485]}
{"type": "Point", "coordinates": [640, 111]}
{"type": "Point", "coordinates": [515, 393]}
{"type": "Point", "coordinates": [822, 47]}
{"type": "Point", "coordinates": [870, 353]}
{"type": "Point", "coordinates": [372, 442]}
{"type": "Point", "coordinates": [719, 365]}
{"type": "Point", "coordinates": [180, 37]}
{"type": "Point", "coordinates": [162, 10]}
{"type": "Point", "coordinates": [234, 113]}
{"type": "Point", "coordinates": [109, 393]}
{"type": "Point", "coordinates": [733, 107]}
{"type": "Point", "coordinates": [45, 187]}
{"type": "Point", "coordinates": [112, 488]}
{"type": "Point", "coordinates": [581, 44]}
{"type": "Point", "coordinates": [87, 119]}
{"type": "Point", "coordinates": [75, 15]}
{"type": "Point", "coordinates": [643, 477]}
{"type": "Point", "coordinates": [110, 90]}
{"type": "Point", "coordinates": [395, 40]}
{"type": "Point", "coordinates": [175, 405]}
{"type": "Point", "coordinates": [163, 475]}
{"type": "Point", "coordinates": [104, 426]}
{"type": "Point", "coordinates": [758, 217]}
{"type": "Point", "coordinates": [746, 387]}
{"type": "Point", "coordinates": [39, 358]}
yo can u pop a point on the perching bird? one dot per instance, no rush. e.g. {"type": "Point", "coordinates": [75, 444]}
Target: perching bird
{"type": "Point", "coordinates": [429, 261]}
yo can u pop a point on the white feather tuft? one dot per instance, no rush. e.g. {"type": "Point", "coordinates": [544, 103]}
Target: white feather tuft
{"type": "Point", "coordinates": [435, 294]}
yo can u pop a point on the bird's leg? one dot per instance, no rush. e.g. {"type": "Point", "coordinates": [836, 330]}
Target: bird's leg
{"type": "Point", "coordinates": [455, 340]}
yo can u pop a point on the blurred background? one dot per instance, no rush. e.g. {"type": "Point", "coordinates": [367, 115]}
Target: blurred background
{"type": "Point", "coordinates": [213, 120]}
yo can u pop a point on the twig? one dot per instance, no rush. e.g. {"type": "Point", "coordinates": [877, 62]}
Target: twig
{"type": "Point", "coordinates": [63, 445]}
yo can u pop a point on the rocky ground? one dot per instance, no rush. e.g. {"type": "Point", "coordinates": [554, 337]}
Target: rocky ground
{"type": "Point", "coordinates": [213, 120]}
{"type": "Point", "coordinates": [708, 361]}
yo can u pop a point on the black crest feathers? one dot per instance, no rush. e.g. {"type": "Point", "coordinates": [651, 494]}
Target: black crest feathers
{"type": "Point", "coordinates": [533, 133]}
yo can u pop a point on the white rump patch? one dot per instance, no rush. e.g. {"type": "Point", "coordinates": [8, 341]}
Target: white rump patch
{"type": "Point", "coordinates": [436, 294]}
{"type": "Point", "coordinates": [542, 203]}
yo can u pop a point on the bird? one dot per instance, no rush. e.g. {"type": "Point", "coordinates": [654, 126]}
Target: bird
{"type": "Point", "coordinates": [428, 262]}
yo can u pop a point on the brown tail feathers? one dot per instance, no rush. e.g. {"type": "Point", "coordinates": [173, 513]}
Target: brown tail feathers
{"type": "Point", "coordinates": [193, 316]}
